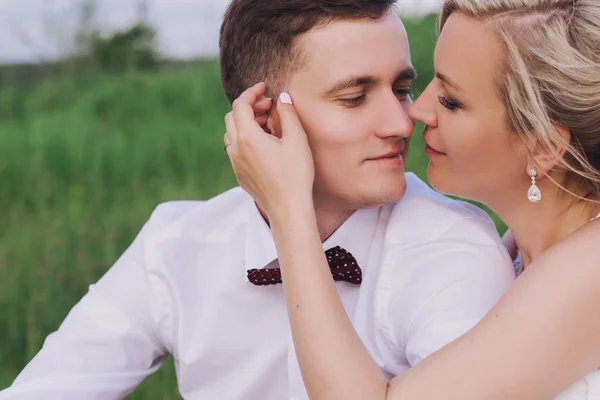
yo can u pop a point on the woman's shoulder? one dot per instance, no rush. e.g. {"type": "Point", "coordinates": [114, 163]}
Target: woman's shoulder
{"type": "Point", "coordinates": [579, 250]}
{"type": "Point", "coordinates": [568, 272]}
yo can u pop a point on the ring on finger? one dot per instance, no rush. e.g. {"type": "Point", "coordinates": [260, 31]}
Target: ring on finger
{"type": "Point", "coordinates": [227, 144]}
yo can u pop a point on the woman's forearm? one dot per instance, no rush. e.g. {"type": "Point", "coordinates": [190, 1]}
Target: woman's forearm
{"type": "Point", "coordinates": [333, 365]}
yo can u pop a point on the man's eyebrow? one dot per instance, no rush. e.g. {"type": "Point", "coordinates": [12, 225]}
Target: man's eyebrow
{"type": "Point", "coordinates": [350, 82]}
{"type": "Point", "coordinates": [448, 81]}
{"type": "Point", "coordinates": [408, 73]}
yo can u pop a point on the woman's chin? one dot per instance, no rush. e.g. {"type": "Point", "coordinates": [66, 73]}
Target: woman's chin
{"type": "Point", "coordinates": [441, 184]}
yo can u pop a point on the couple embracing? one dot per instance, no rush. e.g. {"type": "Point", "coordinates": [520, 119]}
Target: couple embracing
{"type": "Point", "coordinates": [333, 274]}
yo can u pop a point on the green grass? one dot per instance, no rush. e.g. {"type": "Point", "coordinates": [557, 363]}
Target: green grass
{"type": "Point", "coordinates": [84, 161]}
{"type": "Point", "coordinates": [82, 165]}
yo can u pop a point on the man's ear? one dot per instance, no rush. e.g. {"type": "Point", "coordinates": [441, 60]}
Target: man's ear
{"type": "Point", "coordinates": [273, 126]}
{"type": "Point", "coordinates": [543, 158]}
{"type": "Point", "coordinates": [266, 127]}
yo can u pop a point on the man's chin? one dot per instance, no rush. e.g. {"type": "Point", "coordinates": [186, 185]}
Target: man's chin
{"type": "Point", "coordinates": [393, 197]}
{"type": "Point", "coordinates": [387, 194]}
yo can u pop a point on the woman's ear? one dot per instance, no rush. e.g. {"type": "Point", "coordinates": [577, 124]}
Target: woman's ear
{"type": "Point", "coordinates": [544, 157]}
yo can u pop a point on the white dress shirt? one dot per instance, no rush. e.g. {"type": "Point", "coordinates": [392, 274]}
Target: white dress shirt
{"type": "Point", "coordinates": [432, 267]}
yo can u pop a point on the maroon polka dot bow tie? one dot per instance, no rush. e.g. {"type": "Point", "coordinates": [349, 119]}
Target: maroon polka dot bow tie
{"type": "Point", "coordinates": [342, 264]}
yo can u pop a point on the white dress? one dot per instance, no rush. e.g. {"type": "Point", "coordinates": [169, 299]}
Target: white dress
{"type": "Point", "coordinates": [587, 388]}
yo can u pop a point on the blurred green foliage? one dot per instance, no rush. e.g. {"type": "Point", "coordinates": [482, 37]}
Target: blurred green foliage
{"type": "Point", "coordinates": [131, 49]}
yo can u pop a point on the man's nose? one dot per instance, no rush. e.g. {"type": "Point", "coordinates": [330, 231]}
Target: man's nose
{"type": "Point", "coordinates": [394, 120]}
{"type": "Point", "coordinates": [424, 108]}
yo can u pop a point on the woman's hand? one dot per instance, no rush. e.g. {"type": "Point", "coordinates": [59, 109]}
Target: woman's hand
{"type": "Point", "coordinates": [277, 172]}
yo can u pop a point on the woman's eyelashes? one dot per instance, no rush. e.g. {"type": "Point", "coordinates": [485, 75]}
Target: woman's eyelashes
{"type": "Point", "coordinates": [448, 103]}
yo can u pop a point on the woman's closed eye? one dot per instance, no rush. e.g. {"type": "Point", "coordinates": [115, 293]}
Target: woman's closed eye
{"type": "Point", "coordinates": [449, 104]}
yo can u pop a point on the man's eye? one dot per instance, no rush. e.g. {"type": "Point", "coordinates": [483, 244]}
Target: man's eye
{"type": "Point", "coordinates": [354, 101]}
{"type": "Point", "coordinates": [403, 93]}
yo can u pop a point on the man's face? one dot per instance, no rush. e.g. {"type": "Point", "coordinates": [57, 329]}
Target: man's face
{"type": "Point", "coordinates": [352, 96]}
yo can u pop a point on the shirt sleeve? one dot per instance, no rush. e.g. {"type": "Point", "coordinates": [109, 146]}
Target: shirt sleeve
{"type": "Point", "coordinates": [448, 285]}
{"type": "Point", "coordinates": [106, 345]}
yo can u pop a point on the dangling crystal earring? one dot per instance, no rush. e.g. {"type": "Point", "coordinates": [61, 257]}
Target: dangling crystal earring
{"type": "Point", "coordinates": [534, 194]}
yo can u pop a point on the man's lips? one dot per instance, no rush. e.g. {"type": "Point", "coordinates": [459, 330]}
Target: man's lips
{"type": "Point", "coordinates": [389, 154]}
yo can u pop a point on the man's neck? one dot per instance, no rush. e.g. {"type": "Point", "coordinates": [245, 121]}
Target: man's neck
{"type": "Point", "coordinates": [329, 219]}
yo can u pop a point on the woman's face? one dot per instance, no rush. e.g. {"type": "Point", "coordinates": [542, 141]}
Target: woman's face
{"type": "Point", "coordinates": [473, 153]}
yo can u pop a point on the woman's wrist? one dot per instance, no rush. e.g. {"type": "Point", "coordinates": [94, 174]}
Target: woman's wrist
{"type": "Point", "coordinates": [285, 212]}
{"type": "Point", "coordinates": [296, 234]}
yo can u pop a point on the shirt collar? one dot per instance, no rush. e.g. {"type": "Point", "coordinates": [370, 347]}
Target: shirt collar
{"type": "Point", "coordinates": [355, 235]}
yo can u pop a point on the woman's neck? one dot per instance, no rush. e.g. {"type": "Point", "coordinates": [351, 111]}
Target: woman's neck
{"type": "Point", "coordinates": [537, 227]}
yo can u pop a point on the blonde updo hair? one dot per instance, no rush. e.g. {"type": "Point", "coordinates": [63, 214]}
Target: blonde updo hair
{"type": "Point", "coordinates": [551, 76]}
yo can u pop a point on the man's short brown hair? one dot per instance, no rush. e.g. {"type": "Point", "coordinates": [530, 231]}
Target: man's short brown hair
{"type": "Point", "coordinates": [258, 37]}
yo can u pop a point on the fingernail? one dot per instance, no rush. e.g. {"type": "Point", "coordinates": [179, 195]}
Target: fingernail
{"type": "Point", "coordinates": [285, 98]}
{"type": "Point", "coordinates": [259, 83]}
{"type": "Point", "coordinates": [268, 98]}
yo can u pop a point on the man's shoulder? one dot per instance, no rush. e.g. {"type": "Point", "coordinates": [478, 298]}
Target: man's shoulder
{"type": "Point", "coordinates": [444, 267]}
{"type": "Point", "coordinates": [424, 214]}
{"type": "Point", "coordinates": [199, 216]}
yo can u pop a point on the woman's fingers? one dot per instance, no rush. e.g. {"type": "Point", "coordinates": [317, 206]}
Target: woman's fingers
{"type": "Point", "coordinates": [262, 106]}
{"type": "Point", "coordinates": [230, 136]}
{"type": "Point", "coordinates": [262, 119]}
{"type": "Point", "coordinates": [271, 172]}
{"type": "Point", "coordinates": [243, 112]}
{"type": "Point", "coordinates": [291, 127]}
